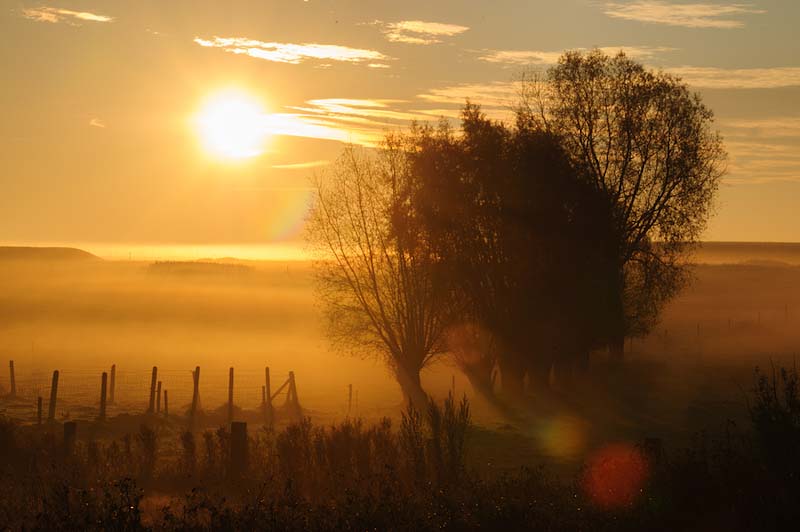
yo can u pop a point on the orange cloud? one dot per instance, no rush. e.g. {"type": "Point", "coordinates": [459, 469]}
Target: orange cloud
{"type": "Point", "coordinates": [55, 15]}
{"type": "Point", "coordinates": [293, 53]}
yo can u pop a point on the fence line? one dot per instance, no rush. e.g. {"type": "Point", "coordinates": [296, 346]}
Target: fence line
{"type": "Point", "coordinates": [80, 388]}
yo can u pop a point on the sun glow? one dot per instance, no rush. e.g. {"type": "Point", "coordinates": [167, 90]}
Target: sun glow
{"type": "Point", "coordinates": [231, 125]}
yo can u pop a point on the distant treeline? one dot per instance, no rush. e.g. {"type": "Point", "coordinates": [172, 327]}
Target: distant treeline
{"type": "Point", "coordinates": [198, 268]}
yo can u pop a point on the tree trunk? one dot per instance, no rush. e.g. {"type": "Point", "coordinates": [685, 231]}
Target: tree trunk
{"type": "Point", "coordinates": [616, 348]}
{"type": "Point", "coordinates": [482, 385]}
{"type": "Point", "coordinates": [512, 375]}
{"type": "Point", "coordinates": [410, 385]}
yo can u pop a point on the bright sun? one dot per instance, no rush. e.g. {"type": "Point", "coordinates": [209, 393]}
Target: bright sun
{"type": "Point", "coordinates": [231, 125]}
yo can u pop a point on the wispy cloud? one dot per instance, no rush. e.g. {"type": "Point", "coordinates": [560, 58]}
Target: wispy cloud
{"type": "Point", "coordinates": [540, 57]}
{"type": "Point", "coordinates": [787, 126]}
{"type": "Point", "coordinates": [55, 15]}
{"type": "Point", "coordinates": [738, 78]}
{"type": "Point", "coordinates": [497, 94]}
{"type": "Point", "coordinates": [358, 121]}
{"type": "Point", "coordinates": [418, 31]}
{"type": "Point", "coordinates": [302, 166]}
{"type": "Point", "coordinates": [361, 121]}
{"type": "Point", "coordinates": [725, 16]}
{"type": "Point", "coordinates": [96, 122]}
{"type": "Point", "coordinates": [762, 149]}
{"type": "Point", "coordinates": [293, 53]}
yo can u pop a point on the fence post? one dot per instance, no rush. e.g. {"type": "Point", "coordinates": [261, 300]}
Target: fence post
{"type": "Point", "coordinates": [238, 457]}
{"type": "Point", "coordinates": [268, 412]}
{"type": "Point", "coordinates": [39, 410]}
{"type": "Point", "coordinates": [291, 399]}
{"type": "Point", "coordinates": [230, 395]}
{"type": "Point", "coordinates": [112, 384]}
{"type": "Point", "coordinates": [103, 386]}
{"type": "Point", "coordinates": [153, 378]}
{"type": "Point", "coordinates": [166, 405]}
{"type": "Point", "coordinates": [70, 433]}
{"type": "Point", "coordinates": [158, 398]}
{"type": "Point", "coordinates": [51, 408]}
{"type": "Point", "coordinates": [195, 395]}
{"type": "Point", "coordinates": [13, 378]}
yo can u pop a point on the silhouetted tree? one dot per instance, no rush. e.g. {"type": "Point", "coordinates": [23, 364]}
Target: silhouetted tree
{"type": "Point", "coordinates": [377, 279]}
{"type": "Point", "coordinates": [646, 142]}
{"type": "Point", "coordinates": [517, 228]}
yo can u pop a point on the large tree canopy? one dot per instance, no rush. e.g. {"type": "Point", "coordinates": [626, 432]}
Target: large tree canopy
{"type": "Point", "coordinates": [647, 144]}
{"type": "Point", "coordinates": [520, 233]}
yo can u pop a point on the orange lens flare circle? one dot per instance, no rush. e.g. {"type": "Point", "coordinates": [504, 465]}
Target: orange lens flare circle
{"type": "Point", "coordinates": [615, 476]}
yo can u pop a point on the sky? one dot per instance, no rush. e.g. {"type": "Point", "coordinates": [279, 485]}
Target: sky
{"type": "Point", "coordinates": [196, 123]}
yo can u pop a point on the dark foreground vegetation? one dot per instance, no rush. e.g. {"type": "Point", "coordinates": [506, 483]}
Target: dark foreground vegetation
{"type": "Point", "coordinates": [416, 476]}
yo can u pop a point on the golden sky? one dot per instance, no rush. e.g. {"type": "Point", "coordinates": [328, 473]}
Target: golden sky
{"type": "Point", "coordinates": [194, 122]}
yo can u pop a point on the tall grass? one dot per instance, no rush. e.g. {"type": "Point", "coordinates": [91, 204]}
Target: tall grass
{"type": "Point", "coordinates": [352, 476]}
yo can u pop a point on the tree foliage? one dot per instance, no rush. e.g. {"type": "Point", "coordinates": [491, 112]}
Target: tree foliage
{"type": "Point", "coordinates": [647, 144]}
{"type": "Point", "coordinates": [377, 280]}
{"type": "Point", "coordinates": [515, 225]}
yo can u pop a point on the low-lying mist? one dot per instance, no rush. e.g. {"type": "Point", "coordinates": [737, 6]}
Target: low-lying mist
{"type": "Point", "coordinates": [82, 316]}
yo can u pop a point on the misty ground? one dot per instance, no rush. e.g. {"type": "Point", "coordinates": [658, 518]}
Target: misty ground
{"type": "Point", "coordinates": [80, 315]}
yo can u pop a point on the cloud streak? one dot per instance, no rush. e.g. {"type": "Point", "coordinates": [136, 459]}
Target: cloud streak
{"type": "Point", "coordinates": [738, 78]}
{"type": "Point", "coordinates": [541, 57]}
{"type": "Point", "coordinates": [293, 53]}
{"type": "Point", "coordinates": [499, 94]}
{"type": "Point", "coordinates": [357, 121]}
{"type": "Point", "coordinates": [302, 166]}
{"type": "Point", "coordinates": [55, 15]}
{"type": "Point", "coordinates": [418, 31]}
{"type": "Point", "coordinates": [720, 16]}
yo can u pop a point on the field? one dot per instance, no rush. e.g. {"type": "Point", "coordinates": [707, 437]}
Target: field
{"type": "Point", "coordinates": [81, 315]}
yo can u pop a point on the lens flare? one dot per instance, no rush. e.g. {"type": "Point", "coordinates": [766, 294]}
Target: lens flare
{"type": "Point", "coordinates": [564, 436]}
{"type": "Point", "coordinates": [287, 213]}
{"type": "Point", "coordinates": [615, 476]}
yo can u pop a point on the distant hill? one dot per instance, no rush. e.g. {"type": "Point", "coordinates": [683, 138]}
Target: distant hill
{"type": "Point", "coordinates": [752, 253]}
{"type": "Point", "coordinates": [44, 254]}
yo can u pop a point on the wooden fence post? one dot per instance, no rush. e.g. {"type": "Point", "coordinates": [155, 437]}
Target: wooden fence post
{"type": "Point", "coordinates": [349, 399]}
{"type": "Point", "coordinates": [158, 398]}
{"type": "Point", "coordinates": [230, 395]}
{"type": "Point", "coordinates": [153, 378]}
{"type": "Point", "coordinates": [112, 384]}
{"type": "Point", "coordinates": [166, 405]}
{"type": "Point", "coordinates": [39, 410]}
{"type": "Point", "coordinates": [13, 378]}
{"type": "Point", "coordinates": [291, 399]}
{"type": "Point", "coordinates": [70, 434]}
{"type": "Point", "coordinates": [103, 388]}
{"type": "Point", "coordinates": [51, 408]}
{"type": "Point", "coordinates": [239, 451]}
{"type": "Point", "coordinates": [195, 395]}
{"type": "Point", "coordinates": [268, 412]}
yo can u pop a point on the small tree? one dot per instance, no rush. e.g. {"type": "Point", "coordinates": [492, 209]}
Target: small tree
{"type": "Point", "coordinates": [647, 145]}
{"type": "Point", "coordinates": [375, 275]}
